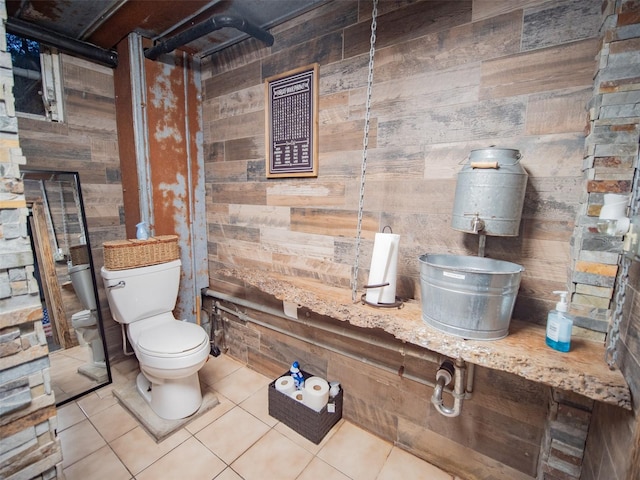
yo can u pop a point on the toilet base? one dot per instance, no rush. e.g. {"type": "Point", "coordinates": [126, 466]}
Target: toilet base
{"type": "Point", "coordinates": [173, 399]}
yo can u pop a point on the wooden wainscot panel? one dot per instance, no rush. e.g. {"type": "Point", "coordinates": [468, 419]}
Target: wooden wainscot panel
{"type": "Point", "coordinates": [295, 194]}
{"type": "Point", "coordinates": [491, 8]}
{"type": "Point", "coordinates": [323, 50]}
{"type": "Point", "coordinates": [239, 193]}
{"type": "Point", "coordinates": [334, 108]}
{"type": "Point", "coordinates": [347, 136]}
{"type": "Point", "coordinates": [464, 44]}
{"type": "Point", "coordinates": [493, 434]}
{"type": "Point", "coordinates": [327, 18]}
{"type": "Point", "coordinates": [244, 148]}
{"type": "Point", "coordinates": [417, 91]}
{"type": "Point", "coordinates": [227, 171]}
{"type": "Point", "coordinates": [434, 125]}
{"type": "Point", "coordinates": [83, 75]}
{"type": "Point", "coordinates": [542, 70]}
{"type": "Point", "coordinates": [238, 126]}
{"type": "Point", "coordinates": [231, 81]}
{"type": "Point", "coordinates": [442, 451]}
{"type": "Point", "coordinates": [296, 243]}
{"type": "Point", "coordinates": [557, 112]}
{"type": "Point", "coordinates": [403, 24]}
{"type": "Point", "coordinates": [562, 24]}
{"type": "Point", "coordinates": [259, 216]}
{"type": "Point", "coordinates": [373, 395]}
{"type": "Point", "coordinates": [240, 102]}
{"type": "Point", "coordinates": [336, 223]}
{"type": "Point", "coordinates": [90, 111]}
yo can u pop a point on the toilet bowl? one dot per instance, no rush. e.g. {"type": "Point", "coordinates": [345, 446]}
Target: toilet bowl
{"type": "Point", "coordinates": [170, 352]}
{"type": "Point", "coordinates": [86, 327]}
{"type": "Point", "coordinates": [85, 321]}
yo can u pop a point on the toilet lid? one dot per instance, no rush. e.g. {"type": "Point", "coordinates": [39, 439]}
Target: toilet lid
{"type": "Point", "coordinates": [81, 315]}
{"type": "Point", "coordinates": [172, 338]}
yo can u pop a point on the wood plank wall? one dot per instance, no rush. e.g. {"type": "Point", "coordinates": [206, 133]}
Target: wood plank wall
{"type": "Point", "coordinates": [449, 77]}
{"type": "Point", "coordinates": [87, 143]}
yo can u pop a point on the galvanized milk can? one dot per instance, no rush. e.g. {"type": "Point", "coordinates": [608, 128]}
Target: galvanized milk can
{"type": "Point", "coordinates": [490, 193]}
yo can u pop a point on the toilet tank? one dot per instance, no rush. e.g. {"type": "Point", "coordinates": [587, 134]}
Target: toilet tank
{"type": "Point", "coordinates": [138, 293]}
{"type": "Point", "coordinates": [83, 285]}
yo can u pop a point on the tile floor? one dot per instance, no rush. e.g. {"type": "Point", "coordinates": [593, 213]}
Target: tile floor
{"type": "Point", "coordinates": [235, 440]}
{"type": "Point", "coordinates": [65, 379]}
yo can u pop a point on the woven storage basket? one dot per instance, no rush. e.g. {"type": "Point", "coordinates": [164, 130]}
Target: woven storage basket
{"type": "Point", "coordinates": [122, 254]}
{"type": "Point", "coordinates": [307, 422]}
{"type": "Point", "coordinates": [79, 254]}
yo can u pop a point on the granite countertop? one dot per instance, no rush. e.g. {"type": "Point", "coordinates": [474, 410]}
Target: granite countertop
{"type": "Point", "coordinates": [523, 352]}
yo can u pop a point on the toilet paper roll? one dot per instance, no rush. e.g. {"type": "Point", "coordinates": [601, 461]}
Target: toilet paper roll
{"type": "Point", "coordinates": [316, 393]}
{"type": "Point", "coordinates": [613, 211]}
{"type": "Point", "coordinates": [298, 396]}
{"type": "Point", "coordinates": [384, 266]}
{"type": "Point", "coordinates": [285, 384]}
{"type": "Point", "coordinates": [614, 206]}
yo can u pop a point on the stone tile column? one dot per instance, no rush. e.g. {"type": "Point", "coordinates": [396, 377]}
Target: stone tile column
{"type": "Point", "coordinates": [29, 446]}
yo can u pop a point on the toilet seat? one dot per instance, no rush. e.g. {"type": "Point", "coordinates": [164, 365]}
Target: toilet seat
{"type": "Point", "coordinates": [172, 339]}
{"type": "Point", "coordinates": [83, 318]}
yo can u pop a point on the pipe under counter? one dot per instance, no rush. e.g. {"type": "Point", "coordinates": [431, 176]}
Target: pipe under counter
{"type": "Point", "coordinates": [460, 372]}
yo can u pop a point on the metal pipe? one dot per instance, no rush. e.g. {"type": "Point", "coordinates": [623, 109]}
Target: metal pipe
{"type": "Point", "coordinates": [61, 42]}
{"type": "Point", "coordinates": [425, 355]}
{"type": "Point", "coordinates": [246, 318]}
{"type": "Point", "coordinates": [214, 23]}
{"type": "Point", "coordinates": [462, 373]}
{"type": "Point", "coordinates": [26, 73]}
{"type": "Point", "coordinates": [443, 378]}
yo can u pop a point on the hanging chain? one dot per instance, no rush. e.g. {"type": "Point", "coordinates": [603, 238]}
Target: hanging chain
{"type": "Point", "coordinates": [365, 144]}
{"type": "Point", "coordinates": [611, 353]}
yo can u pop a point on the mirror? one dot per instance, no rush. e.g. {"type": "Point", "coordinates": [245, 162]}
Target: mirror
{"type": "Point", "coordinates": [64, 269]}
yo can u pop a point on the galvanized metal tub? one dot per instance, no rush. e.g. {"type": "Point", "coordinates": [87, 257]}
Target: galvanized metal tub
{"type": "Point", "coordinates": [471, 297]}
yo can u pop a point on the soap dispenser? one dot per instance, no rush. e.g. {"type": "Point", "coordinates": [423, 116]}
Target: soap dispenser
{"type": "Point", "coordinates": [559, 324]}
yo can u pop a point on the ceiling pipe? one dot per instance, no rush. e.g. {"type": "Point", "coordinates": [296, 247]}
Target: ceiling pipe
{"type": "Point", "coordinates": [214, 23]}
{"type": "Point", "coordinates": [61, 42]}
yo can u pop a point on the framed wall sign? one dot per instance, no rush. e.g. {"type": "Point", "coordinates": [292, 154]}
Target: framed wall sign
{"type": "Point", "coordinates": [291, 109]}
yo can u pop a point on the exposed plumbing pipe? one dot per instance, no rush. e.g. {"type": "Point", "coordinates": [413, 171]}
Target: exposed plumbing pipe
{"type": "Point", "coordinates": [214, 23]}
{"type": "Point", "coordinates": [461, 373]}
{"type": "Point", "coordinates": [246, 318]}
{"type": "Point", "coordinates": [445, 373]}
{"type": "Point", "coordinates": [61, 42]}
{"type": "Point", "coordinates": [425, 355]}
{"type": "Point", "coordinates": [124, 341]}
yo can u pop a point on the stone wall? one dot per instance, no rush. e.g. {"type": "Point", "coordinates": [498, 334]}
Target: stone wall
{"type": "Point", "coordinates": [613, 445]}
{"type": "Point", "coordinates": [611, 153]}
{"type": "Point", "coordinates": [29, 447]}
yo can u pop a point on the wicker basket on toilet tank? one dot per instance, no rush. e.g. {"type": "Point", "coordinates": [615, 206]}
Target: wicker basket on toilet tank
{"type": "Point", "coordinates": [133, 253]}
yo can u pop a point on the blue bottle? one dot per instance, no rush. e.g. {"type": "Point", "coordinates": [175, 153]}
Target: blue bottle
{"type": "Point", "coordinates": [142, 233]}
{"type": "Point", "coordinates": [559, 325]}
{"type": "Point", "coordinates": [296, 374]}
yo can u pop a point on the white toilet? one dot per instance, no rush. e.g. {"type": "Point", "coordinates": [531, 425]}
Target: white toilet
{"type": "Point", "coordinates": [170, 352]}
{"type": "Point", "coordinates": [85, 321]}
